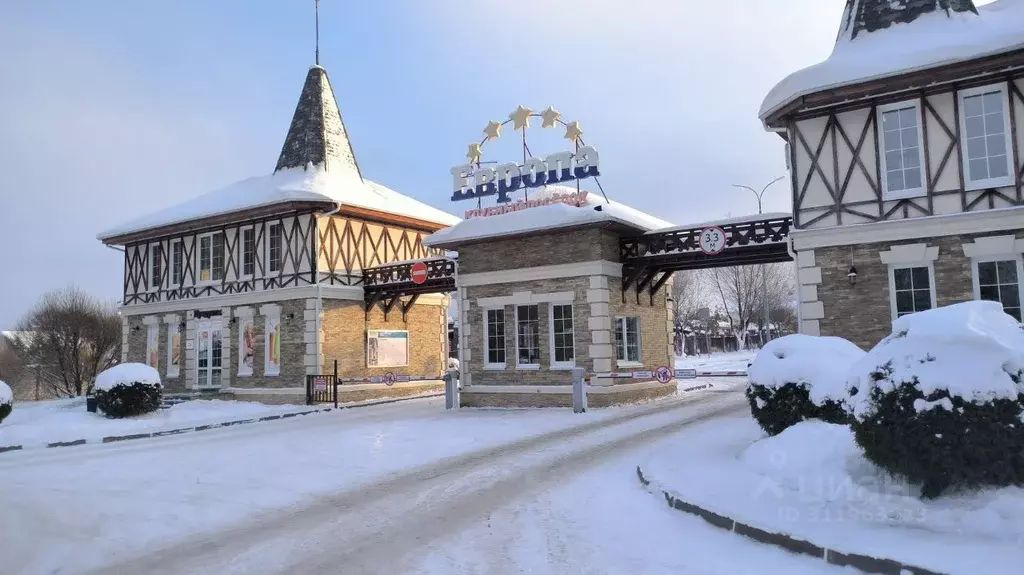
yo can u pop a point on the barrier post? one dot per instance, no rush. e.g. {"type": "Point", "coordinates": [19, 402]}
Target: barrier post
{"type": "Point", "coordinates": [579, 391]}
{"type": "Point", "coordinates": [451, 389]}
{"type": "Point", "coordinates": [334, 384]}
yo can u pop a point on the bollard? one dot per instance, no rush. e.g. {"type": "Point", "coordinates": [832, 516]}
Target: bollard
{"type": "Point", "coordinates": [451, 389]}
{"type": "Point", "coordinates": [579, 391]}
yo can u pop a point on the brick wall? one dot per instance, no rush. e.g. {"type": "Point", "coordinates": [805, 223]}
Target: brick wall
{"type": "Point", "coordinates": [655, 341]}
{"type": "Point", "coordinates": [862, 313]}
{"type": "Point", "coordinates": [344, 329]}
{"type": "Point", "coordinates": [544, 375]}
{"type": "Point", "coordinates": [540, 250]}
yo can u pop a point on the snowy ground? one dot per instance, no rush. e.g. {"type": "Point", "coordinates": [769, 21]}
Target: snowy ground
{"type": "Point", "coordinates": [34, 424]}
{"type": "Point", "coordinates": [812, 482]}
{"type": "Point", "coordinates": [731, 361]}
{"type": "Point", "coordinates": [401, 488]}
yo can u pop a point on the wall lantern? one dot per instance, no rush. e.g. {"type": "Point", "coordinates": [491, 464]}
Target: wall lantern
{"type": "Point", "coordinates": [852, 275]}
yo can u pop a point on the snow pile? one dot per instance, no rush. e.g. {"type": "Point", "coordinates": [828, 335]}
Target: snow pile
{"type": "Point", "coordinates": [6, 395]}
{"type": "Point", "coordinates": [549, 217]}
{"type": "Point", "coordinates": [932, 40]}
{"type": "Point", "coordinates": [453, 363]}
{"type": "Point", "coordinates": [719, 361]}
{"type": "Point", "coordinates": [127, 373]}
{"type": "Point", "coordinates": [973, 350]}
{"type": "Point", "coordinates": [313, 184]}
{"type": "Point", "coordinates": [818, 363]}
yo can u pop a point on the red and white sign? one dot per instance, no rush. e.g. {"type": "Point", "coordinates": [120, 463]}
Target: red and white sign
{"type": "Point", "coordinates": [575, 199]}
{"type": "Point", "coordinates": [418, 273]}
{"type": "Point", "coordinates": [712, 240]}
{"type": "Point", "coordinates": [389, 378]}
{"type": "Point", "coordinates": [663, 374]}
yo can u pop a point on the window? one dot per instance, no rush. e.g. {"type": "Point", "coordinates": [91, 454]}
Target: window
{"type": "Point", "coordinates": [984, 125]}
{"type": "Point", "coordinates": [527, 336]}
{"type": "Point", "coordinates": [274, 248]}
{"type": "Point", "coordinates": [999, 281]}
{"type": "Point", "coordinates": [248, 252]}
{"type": "Point", "coordinates": [494, 329]}
{"type": "Point", "coordinates": [563, 345]}
{"type": "Point", "coordinates": [211, 257]}
{"type": "Point", "coordinates": [912, 290]}
{"type": "Point", "coordinates": [627, 340]}
{"type": "Point", "coordinates": [902, 154]}
{"type": "Point", "coordinates": [177, 260]}
{"type": "Point", "coordinates": [156, 266]}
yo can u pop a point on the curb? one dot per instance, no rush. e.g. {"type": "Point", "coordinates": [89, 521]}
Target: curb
{"type": "Point", "coordinates": [864, 563]}
{"type": "Point", "coordinates": [179, 431]}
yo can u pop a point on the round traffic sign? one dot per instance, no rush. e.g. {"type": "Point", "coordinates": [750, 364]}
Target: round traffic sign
{"type": "Point", "coordinates": [389, 378]}
{"type": "Point", "coordinates": [712, 240]}
{"type": "Point", "coordinates": [418, 273]}
{"type": "Point", "coordinates": [663, 374]}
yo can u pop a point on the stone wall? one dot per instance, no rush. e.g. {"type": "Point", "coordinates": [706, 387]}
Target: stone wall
{"type": "Point", "coordinates": [567, 247]}
{"type": "Point", "coordinates": [293, 348]}
{"type": "Point", "coordinates": [344, 338]}
{"type": "Point", "coordinates": [862, 313]}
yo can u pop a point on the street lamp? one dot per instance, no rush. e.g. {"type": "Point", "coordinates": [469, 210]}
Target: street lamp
{"type": "Point", "coordinates": [764, 274]}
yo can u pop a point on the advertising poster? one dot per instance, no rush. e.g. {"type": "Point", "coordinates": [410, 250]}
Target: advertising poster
{"type": "Point", "coordinates": [246, 346]}
{"type": "Point", "coordinates": [387, 348]}
{"type": "Point", "coordinates": [173, 350]}
{"type": "Point", "coordinates": [151, 346]}
{"type": "Point", "coordinates": [273, 362]}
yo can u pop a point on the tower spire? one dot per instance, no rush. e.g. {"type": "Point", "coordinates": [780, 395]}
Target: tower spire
{"type": "Point", "coordinates": [316, 4]}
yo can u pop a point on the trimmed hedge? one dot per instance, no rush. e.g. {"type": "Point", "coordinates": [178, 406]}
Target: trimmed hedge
{"type": "Point", "coordinates": [945, 444]}
{"type": "Point", "coordinates": [129, 399]}
{"type": "Point", "coordinates": [777, 409]}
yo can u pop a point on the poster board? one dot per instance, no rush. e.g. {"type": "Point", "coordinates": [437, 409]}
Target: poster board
{"type": "Point", "coordinates": [272, 357]}
{"type": "Point", "coordinates": [387, 348]}
{"type": "Point", "coordinates": [152, 351]}
{"type": "Point", "coordinates": [173, 350]}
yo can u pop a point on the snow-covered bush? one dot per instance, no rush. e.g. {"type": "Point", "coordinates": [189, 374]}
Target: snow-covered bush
{"type": "Point", "coordinates": [940, 401]}
{"type": "Point", "coordinates": [6, 401]}
{"type": "Point", "coordinates": [128, 389]}
{"type": "Point", "coordinates": [800, 377]}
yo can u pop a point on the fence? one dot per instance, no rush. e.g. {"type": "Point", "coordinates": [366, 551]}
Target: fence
{"type": "Point", "coordinates": [323, 388]}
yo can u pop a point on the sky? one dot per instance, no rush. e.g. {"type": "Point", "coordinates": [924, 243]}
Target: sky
{"type": "Point", "coordinates": [112, 109]}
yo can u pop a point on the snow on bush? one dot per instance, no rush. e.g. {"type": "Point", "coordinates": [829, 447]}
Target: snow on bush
{"type": "Point", "coordinates": [800, 377]}
{"type": "Point", "coordinates": [127, 390]}
{"type": "Point", "coordinates": [6, 401]}
{"type": "Point", "coordinates": [940, 400]}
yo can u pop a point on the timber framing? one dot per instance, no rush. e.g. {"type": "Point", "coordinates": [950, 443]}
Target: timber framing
{"type": "Point", "coordinates": [392, 284]}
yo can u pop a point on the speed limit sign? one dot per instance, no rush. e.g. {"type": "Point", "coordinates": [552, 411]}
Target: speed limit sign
{"type": "Point", "coordinates": [712, 240]}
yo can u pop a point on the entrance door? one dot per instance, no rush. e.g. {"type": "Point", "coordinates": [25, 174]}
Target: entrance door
{"type": "Point", "coordinates": [208, 358]}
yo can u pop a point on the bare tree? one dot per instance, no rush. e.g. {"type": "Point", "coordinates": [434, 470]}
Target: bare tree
{"type": "Point", "coordinates": [741, 293]}
{"type": "Point", "coordinates": [689, 296]}
{"type": "Point", "coordinates": [71, 337]}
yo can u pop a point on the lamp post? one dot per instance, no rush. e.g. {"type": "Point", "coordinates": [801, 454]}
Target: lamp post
{"type": "Point", "coordinates": [764, 275]}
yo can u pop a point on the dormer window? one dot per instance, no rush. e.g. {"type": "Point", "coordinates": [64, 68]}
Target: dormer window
{"type": "Point", "coordinates": [985, 129]}
{"type": "Point", "coordinates": [902, 154]}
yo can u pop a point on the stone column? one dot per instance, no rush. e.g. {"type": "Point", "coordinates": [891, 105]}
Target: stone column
{"type": "Point", "coordinates": [599, 323]}
{"type": "Point", "coordinates": [313, 339]}
{"type": "Point", "coordinates": [190, 350]}
{"type": "Point", "coordinates": [124, 339]}
{"type": "Point", "coordinates": [808, 280]}
{"type": "Point", "coordinates": [465, 351]}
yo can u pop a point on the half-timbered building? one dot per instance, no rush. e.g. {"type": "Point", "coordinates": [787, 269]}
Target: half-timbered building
{"type": "Point", "coordinates": [906, 153]}
{"type": "Point", "coordinates": [248, 289]}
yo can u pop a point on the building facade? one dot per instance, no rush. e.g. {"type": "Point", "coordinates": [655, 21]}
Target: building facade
{"type": "Point", "coordinates": [905, 154]}
{"type": "Point", "coordinates": [247, 290]}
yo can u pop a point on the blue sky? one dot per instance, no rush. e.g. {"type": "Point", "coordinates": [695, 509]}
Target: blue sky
{"type": "Point", "coordinates": [110, 109]}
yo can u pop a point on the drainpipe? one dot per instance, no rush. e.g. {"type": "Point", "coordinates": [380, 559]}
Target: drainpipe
{"type": "Point", "coordinates": [799, 297]}
{"type": "Point", "coordinates": [320, 294]}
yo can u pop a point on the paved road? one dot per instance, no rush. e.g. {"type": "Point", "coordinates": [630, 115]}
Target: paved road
{"type": "Point", "coordinates": [389, 527]}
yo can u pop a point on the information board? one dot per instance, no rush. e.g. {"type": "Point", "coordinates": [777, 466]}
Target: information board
{"type": "Point", "coordinates": [387, 348]}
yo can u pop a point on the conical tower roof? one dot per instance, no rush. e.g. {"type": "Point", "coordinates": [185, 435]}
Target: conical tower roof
{"type": "Point", "coordinates": [317, 134]}
{"type": "Point", "coordinates": [865, 16]}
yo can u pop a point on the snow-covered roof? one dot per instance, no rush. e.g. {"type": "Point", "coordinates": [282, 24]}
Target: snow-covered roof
{"type": "Point", "coordinates": [930, 40]}
{"type": "Point", "coordinates": [313, 184]}
{"type": "Point", "coordinates": [545, 218]}
{"type": "Point", "coordinates": [727, 221]}
{"type": "Point", "coordinates": [316, 164]}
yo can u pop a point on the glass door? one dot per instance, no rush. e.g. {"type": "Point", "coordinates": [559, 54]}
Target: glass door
{"type": "Point", "coordinates": [209, 354]}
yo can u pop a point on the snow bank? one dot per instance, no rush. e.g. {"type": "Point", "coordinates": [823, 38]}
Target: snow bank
{"type": "Point", "coordinates": [972, 349]}
{"type": "Point", "coordinates": [127, 373]}
{"type": "Point", "coordinates": [550, 217]}
{"type": "Point", "coordinates": [820, 363]}
{"type": "Point", "coordinates": [313, 184]}
{"type": "Point", "coordinates": [930, 41]}
{"type": "Point", "coordinates": [6, 395]}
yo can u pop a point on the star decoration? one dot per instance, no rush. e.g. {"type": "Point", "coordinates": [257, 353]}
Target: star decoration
{"type": "Point", "coordinates": [573, 131]}
{"type": "Point", "coordinates": [520, 118]}
{"type": "Point", "coordinates": [474, 153]}
{"type": "Point", "coordinates": [493, 130]}
{"type": "Point", "coordinates": [550, 116]}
